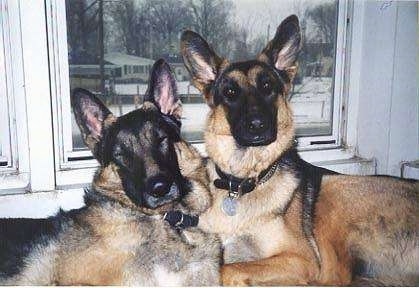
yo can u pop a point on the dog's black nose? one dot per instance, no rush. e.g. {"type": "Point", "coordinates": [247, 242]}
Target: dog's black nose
{"type": "Point", "coordinates": [160, 189]}
{"type": "Point", "coordinates": [256, 124]}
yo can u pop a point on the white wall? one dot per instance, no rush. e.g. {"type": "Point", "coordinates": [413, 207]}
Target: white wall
{"type": "Point", "coordinates": [388, 91]}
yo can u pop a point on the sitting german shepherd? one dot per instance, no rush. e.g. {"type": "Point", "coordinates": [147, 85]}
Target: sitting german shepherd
{"type": "Point", "coordinates": [120, 237]}
{"type": "Point", "coordinates": [281, 220]}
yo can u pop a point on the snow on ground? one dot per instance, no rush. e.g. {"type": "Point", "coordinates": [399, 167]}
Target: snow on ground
{"type": "Point", "coordinates": [312, 100]}
{"type": "Point", "coordinates": [193, 116]}
{"type": "Point", "coordinates": [183, 87]}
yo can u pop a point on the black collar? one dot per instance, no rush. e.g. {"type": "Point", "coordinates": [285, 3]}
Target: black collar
{"type": "Point", "coordinates": [240, 186]}
{"type": "Point", "coordinates": [179, 220]}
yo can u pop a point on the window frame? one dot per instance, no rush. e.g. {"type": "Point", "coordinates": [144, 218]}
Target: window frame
{"type": "Point", "coordinates": [70, 169]}
{"type": "Point", "coordinates": [6, 113]}
{"type": "Point", "coordinates": [15, 177]}
{"type": "Point", "coordinates": [307, 143]}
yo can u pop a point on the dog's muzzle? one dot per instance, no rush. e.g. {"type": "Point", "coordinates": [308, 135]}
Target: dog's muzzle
{"type": "Point", "coordinates": [255, 130]}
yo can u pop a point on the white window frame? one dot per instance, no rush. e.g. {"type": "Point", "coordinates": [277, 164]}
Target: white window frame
{"type": "Point", "coordinates": [69, 171]}
{"type": "Point", "coordinates": [334, 140]}
{"type": "Point", "coordinates": [15, 177]}
{"type": "Point", "coordinates": [6, 155]}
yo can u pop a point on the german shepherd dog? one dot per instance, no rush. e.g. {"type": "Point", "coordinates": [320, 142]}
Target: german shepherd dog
{"type": "Point", "coordinates": [121, 236]}
{"type": "Point", "coordinates": [281, 220]}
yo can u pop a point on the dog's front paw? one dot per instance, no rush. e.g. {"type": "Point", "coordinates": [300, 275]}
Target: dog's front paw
{"type": "Point", "coordinates": [232, 275]}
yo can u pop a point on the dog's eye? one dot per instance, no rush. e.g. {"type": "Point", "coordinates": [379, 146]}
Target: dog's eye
{"type": "Point", "coordinates": [267, 87]}
{"type": "Point", "coordinates": [230, 93]}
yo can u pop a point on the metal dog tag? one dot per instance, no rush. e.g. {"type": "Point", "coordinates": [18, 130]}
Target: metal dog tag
{"type": "Point", "coordinates": [229, 206]}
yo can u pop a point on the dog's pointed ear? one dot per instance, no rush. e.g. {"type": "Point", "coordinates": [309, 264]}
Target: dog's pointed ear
{"type": "Point", "coordinates": [91, 116]}
{"type": "Point", "coordinates": [162, 89]}
{"type": "Point", "coordinates": [282, 51]}
{"type": "Point", "coordinates": [200, 60]}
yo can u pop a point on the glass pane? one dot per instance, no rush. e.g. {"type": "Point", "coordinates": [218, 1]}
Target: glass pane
{"type": "Point", "coordinates": [112, 45]}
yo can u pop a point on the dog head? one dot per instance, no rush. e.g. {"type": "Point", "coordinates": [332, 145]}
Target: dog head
{"type": "Point", "coordinates": [136, 151]}
{"type": "Point", "coordinates": [250, 123]}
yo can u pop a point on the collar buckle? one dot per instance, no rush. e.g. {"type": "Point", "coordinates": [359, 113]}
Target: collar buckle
{"type": "Point", "coordinates": [178, 220]}
{"type": "Point", "coordinates": [231, 193]}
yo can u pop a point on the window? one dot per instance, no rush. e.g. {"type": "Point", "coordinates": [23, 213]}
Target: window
{"type": "Point", "coordinates": [85, 33]}
{"type": "Point", "coordinates": [236, 30]}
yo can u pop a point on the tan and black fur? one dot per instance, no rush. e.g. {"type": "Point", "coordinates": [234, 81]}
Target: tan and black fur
{"type": "Point", "coordinates": [120, 237]}
{"type": "Point", "coordinates": [305, 225]}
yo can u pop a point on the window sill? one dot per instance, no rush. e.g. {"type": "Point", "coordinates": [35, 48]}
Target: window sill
{"type": "Point", "coordinates": [13, 182]}
{"type": "Point", "coordinates": [44, 204]}
{"type": "Point", "coordinates": [40, 204]}
{"type": "Point", "coordinates": [77, 177]}
{"type": "Point", "coordinates": [352, 166]}
{"type": "Point", "coordinates": [340, 160]}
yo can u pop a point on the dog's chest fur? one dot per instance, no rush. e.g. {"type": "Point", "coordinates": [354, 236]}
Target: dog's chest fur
{"type": "Point", "coordinates": [257, 230]}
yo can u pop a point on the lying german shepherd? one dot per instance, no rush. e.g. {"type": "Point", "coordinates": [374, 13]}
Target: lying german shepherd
{"type": "Point", "coordinates": [120, 237]}
{"type": "Point", "coordinates": [281, 220]}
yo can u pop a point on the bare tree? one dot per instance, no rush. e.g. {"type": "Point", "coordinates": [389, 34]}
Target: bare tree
{"type": "Point", "coordinates": [124, 14]}
{"type": "Point", "coordinates": [132, 25]}
{"type": "Point", "coordinates": [242, 49]}
{"type": "Point", "coordinates": [300, 7]}
{"type": "Point", "coordinates": [149, 28]}
{"type": "Point", "coordinates": [167, 19]}
{"type": "Point", "coordinates": [213, 20]}
{"type": "Point", "coordinates": [82, 24]}
{"type": "Point", "coordinates": [324, 17]}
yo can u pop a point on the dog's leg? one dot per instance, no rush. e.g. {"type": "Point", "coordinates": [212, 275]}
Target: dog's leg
{"type": "Point", "coordinates": [286, 268]}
